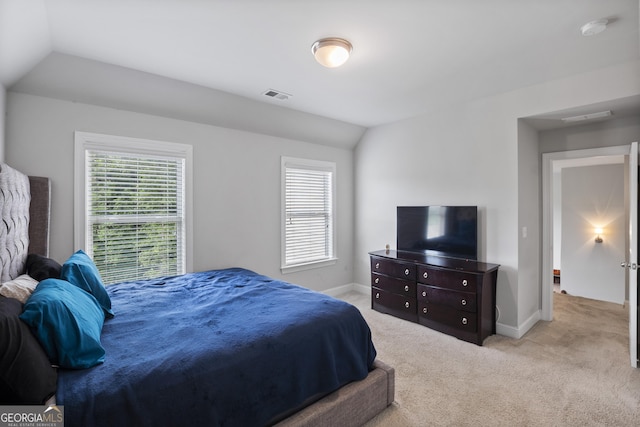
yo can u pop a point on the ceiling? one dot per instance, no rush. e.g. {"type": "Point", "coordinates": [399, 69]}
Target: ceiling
{"type": "Point", "coordinates": [409, 56]}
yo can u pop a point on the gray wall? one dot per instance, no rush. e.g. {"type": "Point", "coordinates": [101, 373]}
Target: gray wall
{"type": "Point", "coordinates": [529, 222]}
{"type": "Point", "coordinates": [470, 154]}
{"type": "Point", "coordinates": [610, 133]}
{"type": "Point", "coordinates": [3, 96]}
{"type": "Point", "coordinates": [236, 181]}
{"type": "Point", "coordinates": [593, 197]}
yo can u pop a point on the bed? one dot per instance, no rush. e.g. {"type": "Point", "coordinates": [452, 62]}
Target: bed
{"type": "Point", "coordinates": [218, 347]}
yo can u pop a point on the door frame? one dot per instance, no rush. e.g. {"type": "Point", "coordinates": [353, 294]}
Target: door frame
{"type": "Point", "coordinates": [548, 159]}
{"type": "Point", "coordinates": [631, 257]}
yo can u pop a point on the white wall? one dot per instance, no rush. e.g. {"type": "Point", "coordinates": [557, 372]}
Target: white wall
{"type": "Point", "coordinates": [557, 219]}
{"type": "Point", "coordinates": [3, 98]}
{"type": "Point", "coordinates": [236, 181]}
{"type": "Point", "coordinates": [593, 197]}
{"type": "Point", "coordinates": [71, 78]}
{"type": "Point", "coordinates": [463, 156]}
{"type": "Point", "coordinates": [470, 155]}
{"type": "Point", "coordinates": [529, 261]}
{"type": "Point", "coordinates": [610, 133]}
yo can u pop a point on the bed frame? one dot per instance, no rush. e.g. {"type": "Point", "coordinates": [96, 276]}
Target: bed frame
{"type": "Point", "coordinates": [352, 405]}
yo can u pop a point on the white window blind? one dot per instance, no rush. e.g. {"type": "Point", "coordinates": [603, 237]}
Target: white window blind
{"type": "Point", "coordinates": [308, 212]}
{"type": "Point", "coordinates": [133, 205]}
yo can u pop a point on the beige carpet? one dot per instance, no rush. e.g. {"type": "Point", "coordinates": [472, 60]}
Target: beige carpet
{"type": "Point", "coordinates": [574, 371]}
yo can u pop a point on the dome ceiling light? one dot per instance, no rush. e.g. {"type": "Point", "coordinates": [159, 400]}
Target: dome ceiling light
{"type": "Point", "coordinates": [331, 52]}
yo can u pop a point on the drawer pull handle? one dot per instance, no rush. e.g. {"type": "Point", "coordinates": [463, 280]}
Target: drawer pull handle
{"type": "Point", "coordinates": [406, 304]}
{"type": "Point", "coordinates": [463, 302]}
{"type": "Point", "coordinates": [424, 310]}
{"type": "Point", "coordinates": [378, 295]}
{"type": "Point", "coordinates": [424, 293]}
{"type": "Point", "coordinates": [377, 265]}
{"type": "Point", "coordinates": [406, 271]}
{"type": "Point", "coordinates": [425, 275]}
{"type": "Point", "coordinates": [464, 320]}
{"type": "Point", "coordinates": [377, 280]}
{"type": "Point", "coordinates": [464, 282]}
{"type": "Point", "coordinates": [406, 288]}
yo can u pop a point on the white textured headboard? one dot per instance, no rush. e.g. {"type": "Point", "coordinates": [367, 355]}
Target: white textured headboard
{"type": "Point", "coordinates": [25, 211]}
{"type": "Point", "coordinates": [15, 200]}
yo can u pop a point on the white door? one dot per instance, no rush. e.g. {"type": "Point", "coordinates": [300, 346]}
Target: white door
{"type": "Point", "coordinates": [632, 262]}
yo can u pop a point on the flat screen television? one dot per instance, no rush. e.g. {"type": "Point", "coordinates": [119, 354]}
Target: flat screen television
{"type": "Point", "coordinates": [450, 231]}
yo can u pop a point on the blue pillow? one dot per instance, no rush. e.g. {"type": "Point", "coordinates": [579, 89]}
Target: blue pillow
{"type": "Point", "coordinates": [67, 321]}
{"type": "Point", "coordinates": [80, 270]}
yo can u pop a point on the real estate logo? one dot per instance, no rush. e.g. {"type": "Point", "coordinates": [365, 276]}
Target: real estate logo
{"type": "Point", "coordinates": [31, 416]}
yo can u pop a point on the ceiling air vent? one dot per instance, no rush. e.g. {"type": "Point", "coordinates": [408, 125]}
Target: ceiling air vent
{"type": "Point", "coordinates": [584, 117]}
{"type": "Point", "coordinates": [276, 94]}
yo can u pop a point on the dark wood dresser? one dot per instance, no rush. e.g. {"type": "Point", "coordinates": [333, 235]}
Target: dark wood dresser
{"type": "Point", "coordinates": [453, 296]}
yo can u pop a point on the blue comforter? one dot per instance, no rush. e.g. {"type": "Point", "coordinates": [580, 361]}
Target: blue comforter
{"type": "Point", "coordinates": [226, 347]}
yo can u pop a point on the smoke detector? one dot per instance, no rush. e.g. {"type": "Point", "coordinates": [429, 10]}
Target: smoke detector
{"type": "Point", "coordinates": [276, 94]}
{"type": "Point", "coordinates": [594, 27]}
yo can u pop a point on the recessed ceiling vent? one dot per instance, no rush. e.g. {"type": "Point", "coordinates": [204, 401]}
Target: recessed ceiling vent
{"type": "Point", "coordinates": [585, 117]}
{"type": "Point", "coordinates": [276, 94]}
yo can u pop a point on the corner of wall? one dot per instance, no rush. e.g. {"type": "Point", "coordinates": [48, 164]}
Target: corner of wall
{"type": "Point", "coordinates": [519, 331]}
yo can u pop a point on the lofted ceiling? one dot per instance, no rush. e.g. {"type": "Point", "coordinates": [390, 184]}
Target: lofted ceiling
{"type": "Point", "coordinates": [409, 56]}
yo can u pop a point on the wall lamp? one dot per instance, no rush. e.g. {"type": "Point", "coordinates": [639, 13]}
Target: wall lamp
{"type": "Point", "coordinates": [331, 52]}
{"type": "Point", "coordinates": [598, 233]}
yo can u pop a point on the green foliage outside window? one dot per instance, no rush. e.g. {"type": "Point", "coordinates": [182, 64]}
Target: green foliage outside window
{"type": "Point", "coordinates": [135, 215]}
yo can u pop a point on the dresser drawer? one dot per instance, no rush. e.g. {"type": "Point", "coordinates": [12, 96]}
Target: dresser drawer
{"type": "Point", "coordinates": [393, 285]}
{"type": "Point", "coordinates": [397, 305]}
{"type": "Point", "coordinates": [447, 279]}
{"type": "Point", "coordinates": [446, 316]}
{"type": "Point", "coordinates": [393, 268]}
{"type": "Point", "coordinates": [463, 301]}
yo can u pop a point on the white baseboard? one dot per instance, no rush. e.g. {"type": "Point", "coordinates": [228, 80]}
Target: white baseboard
{"type": "Point", "coordinates": [361, 289]}
{"type": "Point", "coordinates": [507, 331]}
{"type": "Point", "coordinates": [517, 333]}
{"type": "Point", "coordinates": [349, 287]}
{"type": "Point", "coordinates": [338, 290]}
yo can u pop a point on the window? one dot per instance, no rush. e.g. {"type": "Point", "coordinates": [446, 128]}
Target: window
{"type": "Point", "coordinates": [308, 214]}
{"type": "Point", "coordinates": [132, 203]}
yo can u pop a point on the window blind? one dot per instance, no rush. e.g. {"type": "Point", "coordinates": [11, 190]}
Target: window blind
{"type": "Point", "coordinates": [308, 215]}
{"type": "Point", "coordinates": [135, 211]}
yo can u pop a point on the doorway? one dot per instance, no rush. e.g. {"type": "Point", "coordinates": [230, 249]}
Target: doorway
{"type": "Point", "coordinates": [588, 139]}
{"type": "Point", "coordinates": [589, 222]}
{"type": "Point", "coordinates": [551, 163]}
{"type": "Point", "coordinates": [631, 208]}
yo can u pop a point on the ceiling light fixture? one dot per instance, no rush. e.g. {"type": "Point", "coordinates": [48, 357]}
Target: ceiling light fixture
{"type": "Point", "coordinates": [594, 27]}
{"type": "Point", "coordinates": [331, 52]}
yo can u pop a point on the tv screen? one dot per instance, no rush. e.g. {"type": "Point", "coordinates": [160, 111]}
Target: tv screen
{"type": "Point", "coordinates": [450, 231]}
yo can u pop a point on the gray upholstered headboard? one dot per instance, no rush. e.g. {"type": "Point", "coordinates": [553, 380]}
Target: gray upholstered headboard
{"type": "Point", "coordinates": [25, 210]}
{"type": "Point", "coordinates": [39, 215]}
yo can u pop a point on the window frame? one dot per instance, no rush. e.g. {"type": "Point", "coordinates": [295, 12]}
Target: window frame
{"type": "Point", "coordinates": [307, 164]}
{"type": "Point", "coordinates": [85, 141]}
